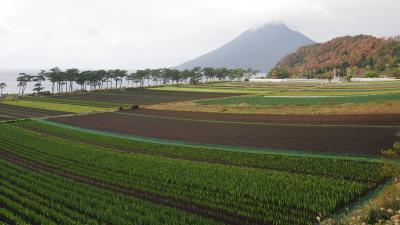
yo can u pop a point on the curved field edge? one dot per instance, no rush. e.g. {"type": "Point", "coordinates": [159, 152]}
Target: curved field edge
{"type": "Point", "coordinates": [363, 200]}
{"type": "Point", "coordinates": [383, 199]}
{"type": "Point", "coordinates": [161, 175]}
{"type": "Point", "coordinates": [219, 147]}
{"type": "Point", "coordinates": [300, 165]}
{"type": "Point", "coordinates": [85, 151]}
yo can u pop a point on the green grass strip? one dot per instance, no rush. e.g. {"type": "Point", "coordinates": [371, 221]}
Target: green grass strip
{"type": "Point", "coordinates": [272, 151]}
{"type": "Point", "coordinates": [362, 200]}
{"type": "Point", "coordinates": [213, 90]}
{"type": "Point", "coordinates": [56, 106]}
{"type": "Point", "coordinates": [76, 102]}
{"type": "Point", "coordinates": [298, 101]}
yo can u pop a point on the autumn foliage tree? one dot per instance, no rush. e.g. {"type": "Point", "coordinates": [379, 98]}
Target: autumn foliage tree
{"type": "Point", "coordinates": [362, 51]}
{"type": "Point", "coordinates": [279, 73]}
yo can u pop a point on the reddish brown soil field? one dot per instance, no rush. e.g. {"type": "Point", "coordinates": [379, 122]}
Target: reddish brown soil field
{"type": "Point", "coordinates": [385, 120]}
{"type": "Point", "coordinates": [350, 140]}
{"type": "Point", "coordinates": [140, 96]}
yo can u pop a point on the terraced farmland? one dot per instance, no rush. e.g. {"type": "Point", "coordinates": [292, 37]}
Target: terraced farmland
{"type": "Point", "coordinates": [302, 100]}
{"type": "Point", "coordinates": [110, 100]}
{"type": "Point", "coordinates": [10, 112]}
{"type": "Point", "coordinates": [167, 167]}
{"type": "Point", "coordinates": [330, 136]}
{"type": "Point", "coordinates": [136, 96]}
{"type": "Point", "coordinates": [189, 185]}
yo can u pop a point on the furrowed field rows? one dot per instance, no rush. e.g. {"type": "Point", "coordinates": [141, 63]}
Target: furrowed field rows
{"type": "Point", "coordinates": [56, 106]}
{"type": "Point", "coordinates": [40, 198]}
{"type": "Point", "coordinates": [139, 96]}
{"type": "Point", "coordinates": [352, 140]}
{"type": "Point", "coordinates": [203, 211]}
{"type": "Point", "coordinates": [255, 196]}
{"type": "Point", "coordinates": [339, 168]}
{"type": "Point", "coordinates": [9, 112]}
{"type": "Point", "coordinates": [76, 102]}
{"type": "Point", "coordinates": [301, 100]}
{"type": "Point", "coordinates": [330, 120]}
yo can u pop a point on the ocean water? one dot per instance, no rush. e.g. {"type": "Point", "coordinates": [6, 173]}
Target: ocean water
{"type": "Point", "coordinates": [10, 78]}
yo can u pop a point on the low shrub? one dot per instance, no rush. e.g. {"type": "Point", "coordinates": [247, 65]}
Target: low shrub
{"type": "Point", "coordinates": [348, 78]}
{"type": "Point", "coordinates": [392, 153]}
{"type": "Point", "coordinates": [371, 74]}
{"type": "Point", "coordinates": [375, 215]}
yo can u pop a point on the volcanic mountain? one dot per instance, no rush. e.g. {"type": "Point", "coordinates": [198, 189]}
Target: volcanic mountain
{"type": "Point", "coordinates": [258, 49]}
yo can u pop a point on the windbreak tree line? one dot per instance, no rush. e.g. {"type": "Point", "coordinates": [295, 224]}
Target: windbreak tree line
{"type": "Point", "coordinates": [2, 87]}
{"type": "Point", "coordinates": [64, 81]}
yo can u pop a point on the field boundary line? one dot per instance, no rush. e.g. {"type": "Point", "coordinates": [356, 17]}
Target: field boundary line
{"type": "Point", "coordinates": [363, 199]}
{"type": "Point", "coordinates": [261, 123]}
{"type": "Point", "coordinates": [144, 152]}
{"type": "Point", "coordinates": [244, 149]}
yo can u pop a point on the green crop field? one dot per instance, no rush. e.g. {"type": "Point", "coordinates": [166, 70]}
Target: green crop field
{"type": "Point", "coordinates": [76, 102]}
{"type": "Point", "coordinates": [48, 199]}
{"type": "Point", "coordinates": [56, 106]}
{"type": "Point", "coordinates": [223, 89]}
{"type": "Point", "coordinates": [290, 89]}
{"type": "Point", "coordinates": [301, 100]}
{"type": "Point", "coordinates": [227, 187]}
{"type": "Point", "coordinates": [4, 118]}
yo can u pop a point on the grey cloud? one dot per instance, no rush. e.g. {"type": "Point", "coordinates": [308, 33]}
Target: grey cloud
{"type": "Point", "coordinates": [151, 33]}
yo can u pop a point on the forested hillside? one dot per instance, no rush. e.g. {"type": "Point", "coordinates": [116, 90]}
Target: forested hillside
{"type": "Point", "coordinates": [360, 55]}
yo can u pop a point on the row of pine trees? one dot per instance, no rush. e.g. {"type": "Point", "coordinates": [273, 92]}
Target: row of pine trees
{"type": "Point", "coordinates": [64, 81]}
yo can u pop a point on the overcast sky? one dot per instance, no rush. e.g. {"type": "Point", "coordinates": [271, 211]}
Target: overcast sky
{"type": "Point", "coordinates": [135, 34]}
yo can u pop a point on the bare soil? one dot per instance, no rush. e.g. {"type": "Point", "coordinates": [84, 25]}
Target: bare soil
{"type": "Point", "coordinates": [140, 96]}
{"type": "Point", "coordinates": [8, 112]}
{"type": "Point", "coordinates": [385, 120]}
{"type": "Point", "coordinates": [357, 140]}
{"type": "Point", "coordinates": [387, 108]}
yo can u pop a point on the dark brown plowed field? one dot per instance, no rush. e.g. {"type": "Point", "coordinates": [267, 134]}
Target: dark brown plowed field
{"type": "Point", "coordinates": [9, 112]}
{"type": "Point", "coordinates": [141, 96]}
{"type": "Point", "coordinates": [351, 140]}
{"type": "Point", "coordinates": [385, 120]}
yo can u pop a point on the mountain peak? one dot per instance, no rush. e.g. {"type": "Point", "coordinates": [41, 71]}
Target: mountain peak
{"type": "Point", "coordinates": [259, 49]}
{"type": "Point", "coordinates": [273, 26]}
